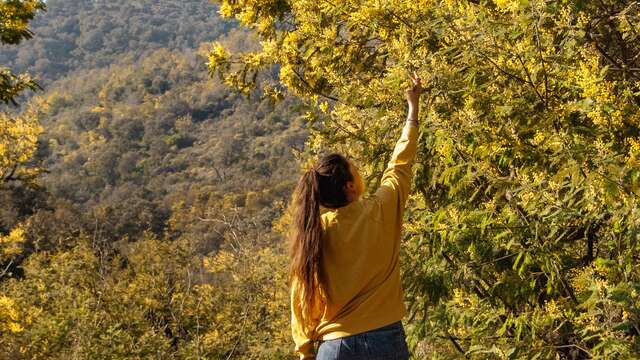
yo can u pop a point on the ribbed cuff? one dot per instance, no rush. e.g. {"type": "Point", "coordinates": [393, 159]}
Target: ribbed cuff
{"type": "Point", "coordinates": [413, 122]}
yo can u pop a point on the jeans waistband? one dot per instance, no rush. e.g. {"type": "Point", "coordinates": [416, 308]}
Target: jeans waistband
{"type": "Point", "coordinates": [397, 324]}
{"type": "Point", "coordinates": [390, 326]}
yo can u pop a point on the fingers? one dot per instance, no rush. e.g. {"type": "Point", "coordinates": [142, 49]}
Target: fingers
{"type": "Point", "coordinates": [415, 79]}
{"type": "Point", "coordinates": [416, 89]}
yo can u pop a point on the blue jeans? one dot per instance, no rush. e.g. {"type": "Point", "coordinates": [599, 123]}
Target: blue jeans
{"type": "Point", "coordinates": [385, 343]}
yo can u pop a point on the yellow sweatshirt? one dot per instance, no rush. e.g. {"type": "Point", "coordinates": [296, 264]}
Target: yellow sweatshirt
{"type": "Point", "coordinates": [360, 251]}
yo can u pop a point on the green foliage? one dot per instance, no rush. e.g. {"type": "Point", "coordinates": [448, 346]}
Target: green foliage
{"type": "Point", "coordinates": [17, 136]}
{"type": "Point", "coordinates": [522, 233]}
{"type": "Point", "coordinates": [18, 141]}
{"type": "Point", "coordinates": [148, 299]}
{"type": "Point", "coordinates": [12, 85]}
{"type": "Point", "coordinates": [14, 21]}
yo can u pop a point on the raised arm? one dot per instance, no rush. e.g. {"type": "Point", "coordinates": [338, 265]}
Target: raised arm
{"type": "Point", "coordinates": [396, 179]}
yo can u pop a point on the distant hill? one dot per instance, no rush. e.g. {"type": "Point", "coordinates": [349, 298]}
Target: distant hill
{"type": "Point", "coordinates": [137, 136]}
{"type": "Point", "coordinates": [134, 123]}
{"type": "Point", "coordinates": [87, 34]}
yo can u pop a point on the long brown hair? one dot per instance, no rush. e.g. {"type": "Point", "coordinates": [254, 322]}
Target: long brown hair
{"type": "Point", "coordinates": [322, 185]}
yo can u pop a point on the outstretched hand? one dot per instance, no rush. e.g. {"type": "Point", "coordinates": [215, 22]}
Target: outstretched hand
{"type": "Point", "coordinates": [413, 93]}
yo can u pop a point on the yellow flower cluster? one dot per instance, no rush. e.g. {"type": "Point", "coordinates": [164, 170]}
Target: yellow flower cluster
{"type": "Point", "coordinates": [11, 245]}
{"type": "Point", "coordinates": [526, 197]}
{"type": "Point", "coordinates": [18, 139]}
{"type": "Point", "coordinates": [600, 91]}
{"type": "Point", "coordinates": [222, 261]}
{"type": "Point", "coordinates": [462, 300]}
{"type": "Point", "coordinates": [634, 151]}
{"type": "Point", "coordinates": [218, 56]}
{"type": "Point", "coordinates": [538, 138]}
{"type": "Point", "coordinates": [8, 316]}
{"type": "Point", "coordinates": [552, 306]}
{"type": "Point", "coordinates": [490, 205]}
{"type": "Point", "coordinates": [511, 5]}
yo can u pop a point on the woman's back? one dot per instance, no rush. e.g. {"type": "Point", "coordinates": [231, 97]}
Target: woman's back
{"type": "Point", "coordinates": [360, 252]}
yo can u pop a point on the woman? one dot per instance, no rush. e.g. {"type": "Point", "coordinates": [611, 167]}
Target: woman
{"type": "Point", "coordinates": [345, 280]}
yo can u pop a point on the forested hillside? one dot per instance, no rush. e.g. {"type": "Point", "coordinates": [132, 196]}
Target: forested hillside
{"type": "Point", "coordinates": [139, 195]}
{"type": "Point", "coordinates": [132, 140]}
{"type": "Point", "coordinates": [89, 34]}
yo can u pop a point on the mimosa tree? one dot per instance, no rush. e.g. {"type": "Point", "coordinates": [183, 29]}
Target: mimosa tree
{"type": "Point", "coordinates": [522, 230]}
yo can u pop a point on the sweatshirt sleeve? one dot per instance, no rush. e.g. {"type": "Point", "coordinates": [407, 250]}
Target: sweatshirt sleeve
{"type": "Point", "coordinates": [303, 344]}
{"type": "Point", "coordinates": [396, 179]}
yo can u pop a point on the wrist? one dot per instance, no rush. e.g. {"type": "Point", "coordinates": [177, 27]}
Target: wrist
{"type": "Point", "coordinates": [413, 113]}
{"type": "Point", "coordinates": [412, 121]}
